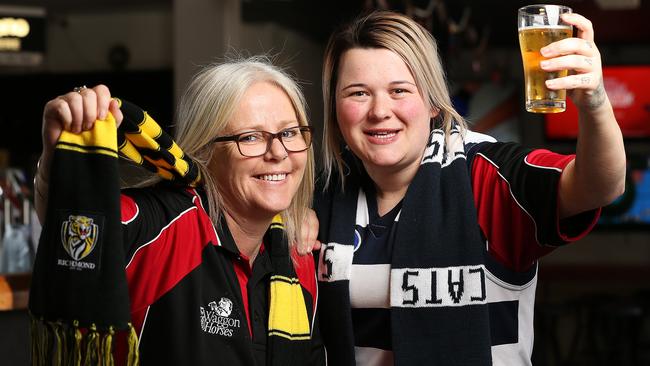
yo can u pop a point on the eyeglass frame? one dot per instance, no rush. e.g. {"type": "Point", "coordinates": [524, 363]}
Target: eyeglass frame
{"type": "Point", "coordinates": [269, 141]}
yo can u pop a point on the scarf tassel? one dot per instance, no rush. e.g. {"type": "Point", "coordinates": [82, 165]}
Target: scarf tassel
{"type": "Point", "coordinates": [92, 346]}
{"type": "Point", "coordinates": [134, 356]}
{"type": "Point", "coordinates": [60, 344]}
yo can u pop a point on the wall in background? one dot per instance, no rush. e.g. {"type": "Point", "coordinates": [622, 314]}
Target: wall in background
{"type": "Point", "coordinates": [78, 42]}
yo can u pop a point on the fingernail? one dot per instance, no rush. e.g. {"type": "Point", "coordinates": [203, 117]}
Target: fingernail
{"type": "Point", "coordinates": [102, 115]}
{"type": "Point", "coordinates": [545, 51]}
{"type": "Point", "coordinates": [544, 64]}
{"type": "Point", "coordinates": [550, 82]}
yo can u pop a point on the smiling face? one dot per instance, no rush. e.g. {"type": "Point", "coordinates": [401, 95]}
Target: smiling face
{"type": "Point", "coordinates": [380, 111]}
{"type": "Point", "coordinates": [258, 187]}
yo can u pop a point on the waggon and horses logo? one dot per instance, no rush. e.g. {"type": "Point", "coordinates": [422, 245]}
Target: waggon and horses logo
{"type": "Point", "coordinates": [224, 308]}
{"type": "Point", "coordinates": [216, 318]}
{"type": "Point", "coordinates": [79, 236]}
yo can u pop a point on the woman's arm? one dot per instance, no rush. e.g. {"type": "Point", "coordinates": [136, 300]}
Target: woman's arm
{"type": "Point", "coordinates": [308, 240]}
{"type": "Point", "coordinates": [597, 175]}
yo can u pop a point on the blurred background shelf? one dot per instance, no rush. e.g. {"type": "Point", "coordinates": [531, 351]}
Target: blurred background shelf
{"type": "Point", "coordinates": [14, 291]}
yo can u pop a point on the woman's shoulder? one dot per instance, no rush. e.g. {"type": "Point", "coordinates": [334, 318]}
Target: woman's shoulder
{"type": "Point", "coordinates": [470, 138]}
{"type": "Point", "coordinates": [160, 190]}
{"type": "Point", "coordinates": [160, 198]}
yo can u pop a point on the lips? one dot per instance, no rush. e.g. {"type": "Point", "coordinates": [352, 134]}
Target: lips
{"type": "Point", "coordinates": [382, 136]}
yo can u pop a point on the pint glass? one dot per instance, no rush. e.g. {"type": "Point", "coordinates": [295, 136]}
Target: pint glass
{"type": "Point", "coordinates": [540, 25]}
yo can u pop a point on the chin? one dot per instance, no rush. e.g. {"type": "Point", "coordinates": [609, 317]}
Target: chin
{"type": "Point", "coordinates": [385, 162]}
{"type": "Point", "coordinates": [272, 208]}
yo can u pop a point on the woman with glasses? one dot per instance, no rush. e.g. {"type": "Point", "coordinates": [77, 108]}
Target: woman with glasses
{"type": "Point", "coordinates": [201, 268]}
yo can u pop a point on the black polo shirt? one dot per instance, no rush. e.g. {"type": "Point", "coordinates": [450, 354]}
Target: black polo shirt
{"type": "Point", "coordinates": [195, 300]}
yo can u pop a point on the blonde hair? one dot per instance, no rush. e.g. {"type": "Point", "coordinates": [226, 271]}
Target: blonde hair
{"type": "Point", "coordinates": [410, 41]}
{"type": "Point", "coordinates": [208, 104]}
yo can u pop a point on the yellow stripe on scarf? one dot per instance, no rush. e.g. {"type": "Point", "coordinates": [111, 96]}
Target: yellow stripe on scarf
{"type": "Point", "coordinates": [180, 164]}
{"type": "Point", "coordinates": [148, 132]}
{"type": "Point", "coordinates": [277, 223]}
{"type": "Point", "coordinates": [102, 139]}
{"type": "Point", "coordinates": [287, 315]}
{"type": "Point", "coordinates": [128, 150]}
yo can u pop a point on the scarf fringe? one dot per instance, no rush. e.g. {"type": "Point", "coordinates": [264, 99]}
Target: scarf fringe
{"type": "Point", "coordinates": [55, 343]}
{"type": "Point", "coordinates": [134, 353]}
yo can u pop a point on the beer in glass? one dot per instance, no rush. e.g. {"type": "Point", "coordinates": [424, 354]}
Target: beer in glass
{"type": "Point", "coordinates": [540, 25]}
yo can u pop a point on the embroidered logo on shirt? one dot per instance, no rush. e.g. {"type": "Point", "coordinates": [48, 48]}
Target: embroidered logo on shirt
{"type": "Point", "coordinates": [216, 319]}
{"type": "Point", "coordinates": [357, 237]}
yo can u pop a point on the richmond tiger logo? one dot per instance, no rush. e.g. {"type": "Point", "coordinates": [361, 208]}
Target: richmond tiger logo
{"type": "Point", "coordinates": [79, 236]}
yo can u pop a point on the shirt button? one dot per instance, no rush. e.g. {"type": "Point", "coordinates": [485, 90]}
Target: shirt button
{"type": "Point", "coordinates": [256, 317]}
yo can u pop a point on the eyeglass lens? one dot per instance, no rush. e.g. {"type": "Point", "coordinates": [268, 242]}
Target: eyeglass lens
{"type": "Point", "coordinates": [256, 143]}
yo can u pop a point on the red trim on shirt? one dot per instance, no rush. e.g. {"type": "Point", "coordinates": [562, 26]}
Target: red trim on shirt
{"type": "Point", "coordinates": [305, 269]}
{"type": "Point", "coordinates": [129, 209]}
{"type": "Point", "coordinates": [162, 263]}
{"type": "Point", "coordinates": [244, 271]}
{"type": "Point", "coordinates": [548, 159]}
{"type": "Point", "coordinates": [496, 206]}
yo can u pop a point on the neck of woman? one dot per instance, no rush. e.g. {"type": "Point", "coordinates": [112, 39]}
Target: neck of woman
{"type": "Point", "coordinates": [248, 233]}
{"type": "Point", "coordinates": [391, 185]}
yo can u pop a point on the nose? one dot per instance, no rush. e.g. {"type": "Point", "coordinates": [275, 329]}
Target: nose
{"type": "Point", "coordinates": [380, 108]}
{"type": "Point", "coordinates": [277, 150]}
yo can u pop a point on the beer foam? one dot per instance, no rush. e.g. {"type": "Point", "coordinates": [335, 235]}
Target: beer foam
{"type": "Point", "coordinates": [562, 26]}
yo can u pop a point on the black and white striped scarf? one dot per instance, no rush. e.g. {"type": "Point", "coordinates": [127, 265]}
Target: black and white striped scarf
{"type": "Point", "coordinates": [438, 304]}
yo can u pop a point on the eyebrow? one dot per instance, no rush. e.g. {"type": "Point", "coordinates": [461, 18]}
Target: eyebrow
{"type": "Point", "coordinates": [392, 83]}
{"type": "Point", "coordinates": [283, 125]}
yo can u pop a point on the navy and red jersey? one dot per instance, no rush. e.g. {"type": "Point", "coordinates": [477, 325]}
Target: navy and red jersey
{"type": "Point", "coordinates": [195, 299]}
{"type": "Point", "coordinates": [515, 193]}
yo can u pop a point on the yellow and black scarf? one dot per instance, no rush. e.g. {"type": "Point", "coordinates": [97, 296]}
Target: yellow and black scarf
{"type": "Point", "coordinates": [79, 297]}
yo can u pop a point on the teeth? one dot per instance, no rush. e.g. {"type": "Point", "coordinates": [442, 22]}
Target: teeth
{"type": "Point", "coordinates": [383, 135]}
{"type": "Point", "coordinates": [273, 177]}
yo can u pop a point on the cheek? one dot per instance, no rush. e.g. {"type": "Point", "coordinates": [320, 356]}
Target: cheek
{"type": "Point", "coordinates": [413, 111]}
{"type": "Point", "coordinates": [226, 170]}
{"type": "Point", "coordinates": [299, 163]}
{"type": "Point", "coordinates": [349, 113]}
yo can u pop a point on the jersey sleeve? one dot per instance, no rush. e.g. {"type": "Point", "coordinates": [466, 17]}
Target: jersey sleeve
{"type": "Point", "coordinates": [138, 211]}
{"type": "Point", "coordinates": [516, 194]}
{"type": "Point", "coordinates": [145, 213]}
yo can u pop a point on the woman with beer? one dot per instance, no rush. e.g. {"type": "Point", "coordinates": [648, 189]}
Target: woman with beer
{"type": "Point", "coordinates": [431, 233]}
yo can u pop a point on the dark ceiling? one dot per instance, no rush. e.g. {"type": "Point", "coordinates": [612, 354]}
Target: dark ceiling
{"type": "Point", "coordinates": [88, 6]}
{"type": "Point", "coordinates": [496, 19]}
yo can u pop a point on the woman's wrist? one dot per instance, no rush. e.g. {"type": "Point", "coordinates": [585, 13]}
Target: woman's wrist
{"type": "Point", "coordinates": [41, 183]}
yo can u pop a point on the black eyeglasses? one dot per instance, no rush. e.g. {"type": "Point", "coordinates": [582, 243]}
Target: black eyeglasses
{"type": "Point", "coordinates": [258, 143]}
